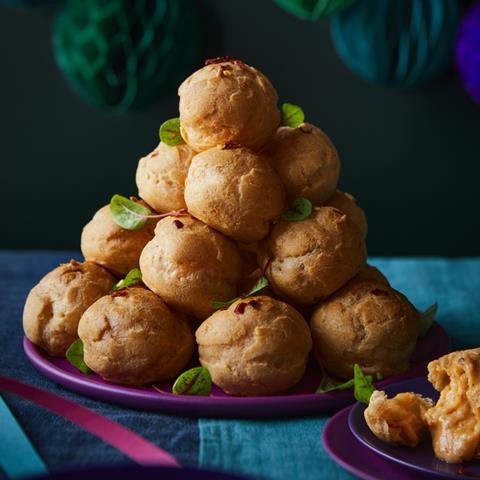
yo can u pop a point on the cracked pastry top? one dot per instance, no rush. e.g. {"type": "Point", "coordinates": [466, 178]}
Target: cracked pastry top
{"type": "Point", "coordinates": [227, 102]}
{"type": "Point", "coordinates": [161, 174]}
{"type": "Point", "coordinates": [308, 260]}
{"type": "Point", "coordinates": [133, 338]}
{"type": "Point", "coordinates": [235, 191]}
{"type": "Point", "coordinates": [347, 204]}
{"type": "Point", "coordinates": [54, 306]}
{"type": "Point", "coordinates": [258, 346]}
{"type": "Point", "coordinates": [190, 265]}
{"type": "Point", "coordinates": [366, 322]}
{"type": "Point", "coordinates": [104, 242]}
{"type": "Point", "coordinates": [306, 161]}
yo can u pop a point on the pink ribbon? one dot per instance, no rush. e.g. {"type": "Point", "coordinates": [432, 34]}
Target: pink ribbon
{"type": "Point", "coordinates": [134, 446]}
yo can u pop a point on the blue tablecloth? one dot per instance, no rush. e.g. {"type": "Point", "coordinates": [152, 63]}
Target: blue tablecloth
{"type": "Point", "coordinates": [280, 449]}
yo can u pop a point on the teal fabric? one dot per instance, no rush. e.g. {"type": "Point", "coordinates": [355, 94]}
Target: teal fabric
{"type": "Point", "coordinates": [287, 449]}
{"type": "Point", "coordinates": [18, 457]}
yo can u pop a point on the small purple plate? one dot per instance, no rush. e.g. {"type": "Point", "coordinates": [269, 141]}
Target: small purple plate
{"type": "Point", "coordinates": [298, 401]}
{"type": "Point", "coordinates": [421, 458]}
{"type": "Point", "coordinates": [133, 472]}
{"type": "Point", "coordinates": [357, 459]}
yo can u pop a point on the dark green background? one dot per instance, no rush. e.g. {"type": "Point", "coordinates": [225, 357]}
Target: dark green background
{"type": "Point", "coordinates": [410, 157]}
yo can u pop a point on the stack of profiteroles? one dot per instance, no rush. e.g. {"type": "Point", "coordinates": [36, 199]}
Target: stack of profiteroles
{"type": "Point", "coordinates": [239, 243]}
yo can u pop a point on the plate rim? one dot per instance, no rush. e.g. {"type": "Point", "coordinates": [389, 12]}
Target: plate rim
{"type": "Point", "coordinates": [329, 425]}
{"type": "Point", "coordinates": [214, 407]}
{"type": "Point", "coordinates": [183, 404]}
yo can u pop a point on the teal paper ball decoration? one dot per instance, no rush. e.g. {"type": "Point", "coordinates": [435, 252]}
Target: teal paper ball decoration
{"type": "Point", "coordinates": [120, 55]}
{"type": "Point", "coordinates": [400, 43]}
{"type": "Point", "coordinates": [313, 10]}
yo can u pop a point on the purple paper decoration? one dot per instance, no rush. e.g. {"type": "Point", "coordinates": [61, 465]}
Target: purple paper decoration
{"type": "Point", "coordinates": [467, 51]}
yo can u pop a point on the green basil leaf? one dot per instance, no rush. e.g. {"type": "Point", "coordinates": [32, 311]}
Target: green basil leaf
{"type": "Point", "coordinates": [328, 384]}
{"type": "Point", "coordinates": [219, 304]}
{"type": "Point", "coordinates": [196, 381]}
{"type": "Point", "coordinates": [75, 356]}
{"type": "Point", "coordinates": [133, 277]}
{"type": "Point", "coordinates": [260, 285]}
{"type": "Point", "coordinates": [169, 132]}
{"type": "Point", "coordinates": [127, 213]}
{"type": "Point", "coordinates": [292, 115]}
{"type": "Point", "coordinates": [364, 387]}
{"type": "Point", "coordinates": [426, 319]}
{"type": "Point", "coordinates": [362, 384]}
{"type": "Point", "coordinates": [300, 210]}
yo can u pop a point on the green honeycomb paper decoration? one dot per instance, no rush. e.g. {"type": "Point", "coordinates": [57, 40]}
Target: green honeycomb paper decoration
{"type": "Point", "coordinates": [313, 10]}
{"type": "Point", "coordinates": [120, 55]}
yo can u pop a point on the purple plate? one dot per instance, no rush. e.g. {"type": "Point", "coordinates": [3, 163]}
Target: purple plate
{"type": "Point", "coordinates": [133, 472]}
{"type": "Point", "coordinates": [421, 458]}
{"type": "Point", "coordinates": [299, 401]}
{"type": "Point", "coordinates": [357, 459]}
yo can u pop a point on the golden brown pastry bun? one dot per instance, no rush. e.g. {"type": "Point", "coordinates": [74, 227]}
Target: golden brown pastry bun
{"type": "Point", "coordinates": [308, 260]}
{"type": "Point", "coordinates": [134, 338]}
{"type": "Point", "coordinates": [368, 272]}
{"type": "Point", "coordinates": [234, 191]}
{"type": "Point", "coordinates": [54, 306]}
{"type": "Point", "coordinates": [161, 177]}
{"type": "Point", "coordinates": [347, 204]}
{"type": "Point", "coordinates": [368, 323]}
{"type": "Point", "coordinates": [190, 265]}
{"type": "Point", "coordinates": [258, 346]}
{"type": "Point", "coordinates": [454, 421]}
{"type": "Point", "coordinates": [106, 243]}
{"type": "Point", "coordinates": [227, 102]}
{"type": "Point", "coordinates": [306, 161]}
{"type": "Point", "coordinates": [399, 420]}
